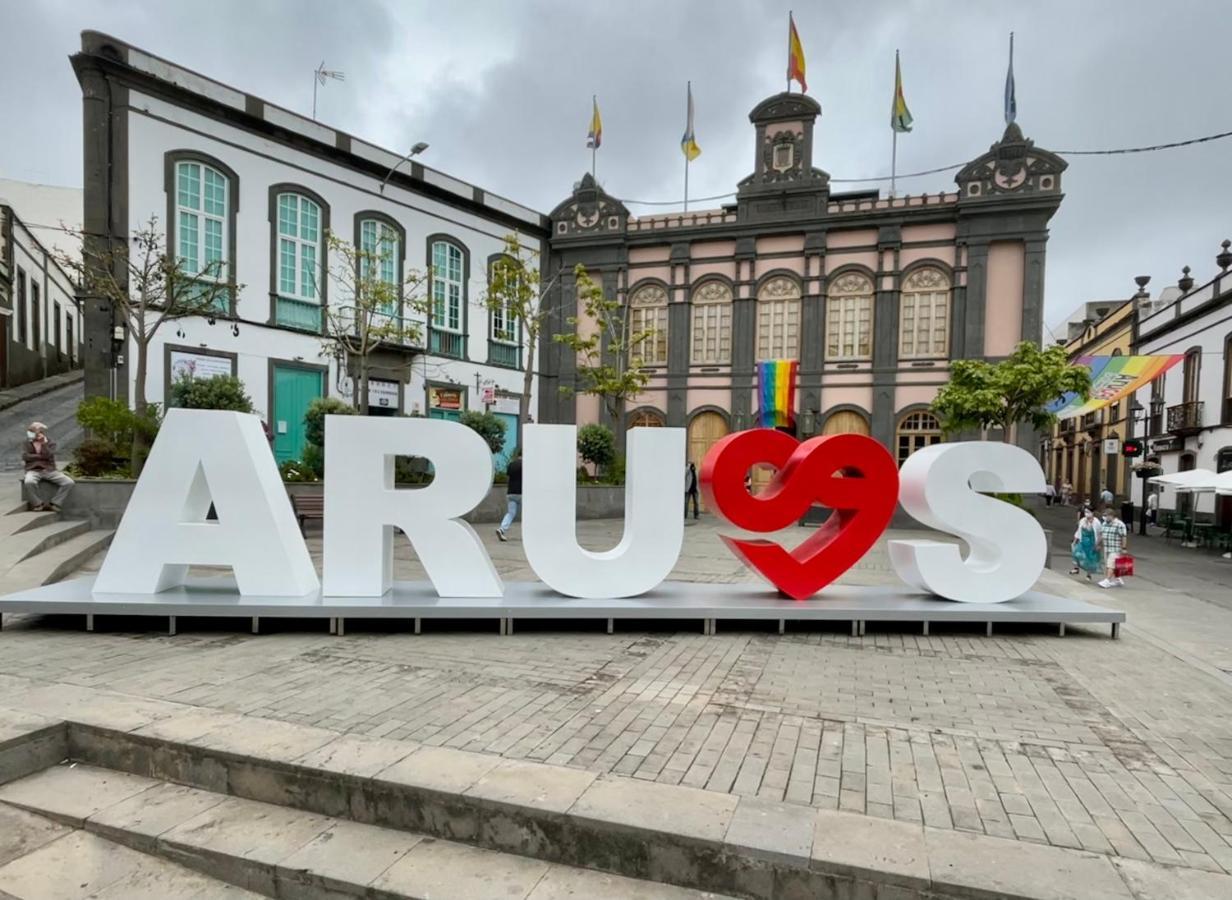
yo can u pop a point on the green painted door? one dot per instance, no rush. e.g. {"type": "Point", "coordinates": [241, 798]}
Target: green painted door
{"type": "Point", "coordinates": [451, 415]}
{"type": "Point", "coordinates": [501, 459]}
{"type": "Point", "coordinates": [294, 389]}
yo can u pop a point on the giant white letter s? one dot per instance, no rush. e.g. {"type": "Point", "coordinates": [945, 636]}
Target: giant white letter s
{"type": "Point", "coordinates": [203, 456]}
{"type": "Point", "coordinates": [362, 506]}
{"type": "Point", "coordinates": [1008, 547]}
{"type": "Point", "coordinates": [654, 514]}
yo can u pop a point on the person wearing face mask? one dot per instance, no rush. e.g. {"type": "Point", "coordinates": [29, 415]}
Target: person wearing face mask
{"type": "Point", "coordinates": [39, 455]}
{"type": "Point", "coordinates": [1084, 549]}
{"type": "Point", "coordinates": [1113, 543]}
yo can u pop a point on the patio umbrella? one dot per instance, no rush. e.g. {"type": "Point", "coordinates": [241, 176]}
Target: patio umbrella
{"type": "Point", "coordinates": [1223, 482]}
{"type": "Point", "coordinates": [1196, 480]}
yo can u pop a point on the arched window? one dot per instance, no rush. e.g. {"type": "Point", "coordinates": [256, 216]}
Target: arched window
{"type": "Point", "coordinates": [504, 329]}
{"type": "Point", "coordinates": [846, 421]}
{"type": "Point", "coordinates": [646, 418]}
{"type": "Point", "coordinates": [648, 316]}
{"type": "Point", "coordinates": [924, 315]}
{"type": "Point", "coordinates": [916, 430]}
{"type": "Point", "coordinates": [1191, 371]}
{"type": "Point", "coordinates": [712, 311]}
{"type": "Point", "coordinates": [448, 299]}
{"type": "Point", "coordinates": [380, 247]}
{"type": "Point", "coordinates": [849, 317]}
{"type": "Point", "coordinates": [202, 225]}
{"type": "Point", "coordinates": [778, 319]}
{"type": "Point", "coordinates": [300, 260]}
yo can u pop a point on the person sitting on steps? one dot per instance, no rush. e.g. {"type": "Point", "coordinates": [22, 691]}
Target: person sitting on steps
{"type": "Point", "coordinates": [39, 454]}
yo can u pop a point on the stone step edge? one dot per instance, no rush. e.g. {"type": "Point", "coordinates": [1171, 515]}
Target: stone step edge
{"type": "Point", "coordinates": [271, 878]}
{"type": "Point", "coordinates": [882, 858]}
{"type": "Point", "coordinates": [64, 559]}
{"type": "Point", "coordinates": [32, 751]}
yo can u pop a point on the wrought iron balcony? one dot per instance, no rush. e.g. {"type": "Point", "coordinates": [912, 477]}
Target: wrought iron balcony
{"type": "Point", "coordinates": [1185, 417]}
{"type": "Point", "coordinates": [445, 343]}
{"type": "Point", "coordinates": [503, 354]}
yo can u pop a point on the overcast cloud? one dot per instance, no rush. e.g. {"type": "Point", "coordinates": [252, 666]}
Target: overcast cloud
{"type": "Point", "coordinates": [501, 91]}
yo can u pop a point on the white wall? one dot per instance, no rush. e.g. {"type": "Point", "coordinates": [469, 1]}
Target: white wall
{"type": "Point", "coordinates": [31, 257]}
{"type": "Point", "coordinates": [156, 127]}
{"type": "Point", "coordinates": [1208, 332]}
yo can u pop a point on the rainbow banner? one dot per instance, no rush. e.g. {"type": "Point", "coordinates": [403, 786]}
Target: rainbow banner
{"type": "Point", "coordinates": [1112, 378]}
{"type": "Point", "coordinates": [776, 393]}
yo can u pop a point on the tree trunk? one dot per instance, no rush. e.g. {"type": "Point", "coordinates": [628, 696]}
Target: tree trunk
{"type": "Point", "coordinates": [141, 443]}
{"type": "Point", "coordinates": [528, 380]}
{"type": "Point", "coordinates": [362, 398]}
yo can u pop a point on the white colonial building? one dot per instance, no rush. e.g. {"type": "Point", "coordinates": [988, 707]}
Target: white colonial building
{"type": "Point", "coordinates": [1188, 410]}
{"type": "Point", "coordinates": [40, 323]}
{"type": "Point", "coordinates": [240, 183]}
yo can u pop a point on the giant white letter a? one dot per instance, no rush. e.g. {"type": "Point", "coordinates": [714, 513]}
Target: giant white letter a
{"type": "Point", "coordinates": [204, 456]}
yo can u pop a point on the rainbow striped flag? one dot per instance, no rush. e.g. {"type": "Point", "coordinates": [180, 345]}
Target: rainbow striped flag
{"type": "Point", "coordinates": [1112, 378]}
{"type": "Point", "coordinates": [776, 392]}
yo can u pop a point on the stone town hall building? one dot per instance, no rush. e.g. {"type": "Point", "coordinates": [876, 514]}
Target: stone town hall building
{"type": "Point", "coordinates": [873, 295]}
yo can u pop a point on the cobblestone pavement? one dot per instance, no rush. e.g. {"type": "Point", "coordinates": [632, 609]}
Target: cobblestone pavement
{"type": "Point", "coordinates": [1120, 747]}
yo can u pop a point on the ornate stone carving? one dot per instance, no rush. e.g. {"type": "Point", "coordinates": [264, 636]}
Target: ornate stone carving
{"type": "Point", "coordinates": [926, 279]}
{"type": "Point", "coordinates": [780, 288]}
{"type": "Point", "coordinates": [1012, 165]}
{"type": "Point", "coordinates": [851, 283]}
{"type": "Point", "coordinates": [782, 156]}
{"type": "Point", "coordinates": [712, 292]}
{"type": "Point", "coordinates": [648, 295]}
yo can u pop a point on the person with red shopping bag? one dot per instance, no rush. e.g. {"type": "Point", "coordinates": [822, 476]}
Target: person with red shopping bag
{"type": "Point", "coordinates": [1114, 547]}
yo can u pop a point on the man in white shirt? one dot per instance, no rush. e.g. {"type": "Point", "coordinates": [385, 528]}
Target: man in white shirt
{"type": "Point", "coordinates": [1106, 496]}
{"type": "Point", "coordinates": [1152, 507]}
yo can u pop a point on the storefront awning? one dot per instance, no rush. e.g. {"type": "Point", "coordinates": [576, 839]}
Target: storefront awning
{"type": "Point", "coordinates": [1112, 378]}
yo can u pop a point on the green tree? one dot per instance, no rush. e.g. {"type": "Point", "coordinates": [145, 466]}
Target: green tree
{"type": "Point", "coordinates": [615, 373]}
{"type": "Point", "coordinates": [596, 445]}
{"type": "Point", "coordinates": [146, 286]}
{"type": "Point", "coordinates": [1016, 390]}
{"type": "Point", "coordinates": [487, 425]}
{"type": "Point", "coordinates": [375, 309]}
{"type": "Point", "coordinates": [515, 300]}
{"type": "Point", "coordinates": [218, 392]}
{"type": "Point", "coordinates": [314, 430]}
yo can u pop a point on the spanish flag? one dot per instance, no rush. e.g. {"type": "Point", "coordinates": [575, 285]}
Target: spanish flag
{"type": "Point", "coordinates": [688, 143]}
{"type": "Point", "coordinates": [595, 138]}
{"type": "Point", "coordinates": [900, 116]}
{"type": "Point", "coordinates": [795, 56]}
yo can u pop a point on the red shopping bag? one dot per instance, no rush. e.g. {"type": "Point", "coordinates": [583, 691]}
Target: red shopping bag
{"type": "Point", "coordinates": [1123, 566]}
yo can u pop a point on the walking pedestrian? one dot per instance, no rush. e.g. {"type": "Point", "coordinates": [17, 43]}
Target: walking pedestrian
{"type": "Point", "coordinates": [1152, 507]}
{"type": "Point", "coordinates": [1067, 492]}
{"type": "Point", "coordinates": [1106, 497]}
{"type": "Point", "coordinates": [39, 455]}
{"type": "Point", "coordinates": [1085, 548]}
{"type": "Point", "coordinates": [1050, 494]}
{"type": "Point", "coordinates": [513, 494]}
{"type": "Point", "coordinates": [1113, 543]}
{"type": "Point", "coordinates": [690, 489]}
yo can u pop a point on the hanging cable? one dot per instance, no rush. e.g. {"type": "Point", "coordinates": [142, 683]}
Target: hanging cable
{"type": "Point", "coordinates": [1118, 151]}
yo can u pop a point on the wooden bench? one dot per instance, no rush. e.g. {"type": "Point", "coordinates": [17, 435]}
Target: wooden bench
{"type": "Point", "coordinates": [308, 506]}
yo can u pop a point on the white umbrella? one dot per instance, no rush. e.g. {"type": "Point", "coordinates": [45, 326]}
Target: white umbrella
{"type": "Point", "coordinates": [1223, 482]}
{"type": "Point", "coordinates": [1191, 480]}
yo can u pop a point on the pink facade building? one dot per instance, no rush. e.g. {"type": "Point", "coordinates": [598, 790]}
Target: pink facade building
{"type": "Point", "coordinates": [874, 296]}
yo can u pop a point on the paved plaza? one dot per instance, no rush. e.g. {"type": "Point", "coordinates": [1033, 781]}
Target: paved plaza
{"type": "Point", "coordinates": [1119, 747]}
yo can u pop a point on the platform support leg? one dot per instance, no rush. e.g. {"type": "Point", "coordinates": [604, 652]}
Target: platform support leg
{"type": "Point", "coordinates": [509, 626]}
{"type": "Point", "coordinates": [782, 626]}
{"type": "Point", "coordinates": [341, 626]}
{"type": "Point", "coordinates": [855, 628]}
{"type": "Point", "coordinates": [862, 624]}
{"type": "Point", "coordinates": [1, 621]}
{"type": "Point", "coordinates": [500, 624]}
{"type": "Point", "coordinates": [333, 625]}
{"type": "Point", "coordinates": [89, 621]}
{"type": "Point", "coordinates": [610, 624]}
{"type": "Point", "coordinates": [1116, 630]}
{"type": "Point", "coordinates": [926, 627]}
{"type": "Point", "coordinates": [256, 624]}
{"type": "Point", "coordinates": [418, 624]}
{"type": "Point", "coordinates": [988, 629]}
{"type": "Point", "coordinates": [1061, 630]}
{"type": "Point", "coordinates": [171, 625]}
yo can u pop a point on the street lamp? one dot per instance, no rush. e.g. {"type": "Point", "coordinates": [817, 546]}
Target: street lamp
{"type": "Point", "coordinates": [419, 148]}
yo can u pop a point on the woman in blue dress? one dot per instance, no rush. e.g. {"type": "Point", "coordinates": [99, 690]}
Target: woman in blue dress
{"type": "Point", "coordinates": [1085, 551]}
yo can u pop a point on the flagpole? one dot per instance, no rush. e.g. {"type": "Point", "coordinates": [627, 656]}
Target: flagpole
{"type": "Point", "coordinates": [893, 161]}
{"type": "Point", "coordinates": [594, 144]}
{"type": "Point", "coordinates": [688, 127]}
{"type": "Point", "coordinates": [789, 23]}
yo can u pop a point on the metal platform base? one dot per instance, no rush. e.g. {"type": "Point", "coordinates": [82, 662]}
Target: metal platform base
{"type": "Point", "coordinates": [709, 603]}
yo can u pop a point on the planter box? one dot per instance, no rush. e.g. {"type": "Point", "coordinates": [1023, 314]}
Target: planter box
{"type": "Point", "coordinates": [102, 501]}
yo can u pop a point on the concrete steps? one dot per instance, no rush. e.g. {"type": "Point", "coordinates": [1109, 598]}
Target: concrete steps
{"type": "Point", "coordinates": [41, 859]}
{"type": "Point", "coordinates": [56, 563]}
{"type": "Point", "coordinates": [279, 851]}
{"type": "Point", "coordinates": [38, 548]}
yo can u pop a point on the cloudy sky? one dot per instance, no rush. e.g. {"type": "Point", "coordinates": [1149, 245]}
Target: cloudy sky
{"type": "Point", "coordinates": [501, 91]}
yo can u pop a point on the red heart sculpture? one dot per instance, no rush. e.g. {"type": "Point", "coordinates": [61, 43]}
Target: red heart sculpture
{"type": "Point", "coordinates": [852, 474]}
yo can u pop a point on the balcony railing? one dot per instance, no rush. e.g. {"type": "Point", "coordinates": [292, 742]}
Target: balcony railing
{"type": "Point", "coordinates": [1185, 417]}
{"type": "Point", "coordinates": [445, 343]}
{"type": "Point", "coordinates": [502, 354]}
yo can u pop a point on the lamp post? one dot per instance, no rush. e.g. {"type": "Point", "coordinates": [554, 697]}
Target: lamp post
{"type": "Point", "coordinates": [417, 149]}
